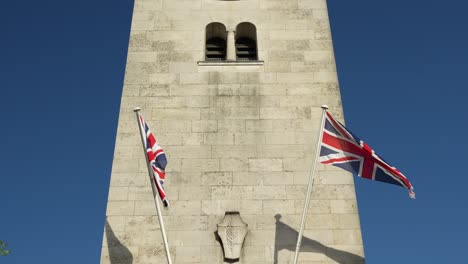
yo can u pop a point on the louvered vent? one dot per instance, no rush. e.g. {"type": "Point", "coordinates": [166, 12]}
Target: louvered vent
{"type": "Point", "coordinates": [215, 49]}
{"type": "Point", "coordinates": [246, 50]}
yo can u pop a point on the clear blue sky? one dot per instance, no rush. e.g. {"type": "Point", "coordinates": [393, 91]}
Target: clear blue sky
{"type": "Point", "coordinates": [402, 68]}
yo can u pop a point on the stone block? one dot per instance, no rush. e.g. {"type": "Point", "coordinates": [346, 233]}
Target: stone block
{"type": "Point", "coordinates": [265, 164]}
{"type": "Point", "coordinates": [335, 177]}
{"type": "Point", "coordinates": [217, 178]}
{"type": "Point", "coordinates": [180, 102]}
{"type": "Point", "coordinates": [146, 5]}
{"type": "Point", "coordinates": [219, 207]}
{"type": "Point", "coordinates": [128, 179]}
{"type": "Point", "coordinates": [272, 207]}
{"type": "Point", "coordinates": [232, 192]}
{"type": "Point", "coordinates": [212, 254]}
{"type": "Point", "coordinates": [270, 192]}
{"type": "Point", "coordinates": [294, 164]}
{"type": "Point", "coordinates": [343, 206]}
{"type": "Point", "coordinates": [249, 138]}
{"type": "Point", "coordinates": [225, 101]}
{"type": "Point", "coordinates": [315, 206]}
{"type": "Point", "coordinates": [322, 221]}
{"type": "Point", "coordinates": [219, 139]}
{"type": "Point", "coordinates": [269, 101]}
{"type": "Point", "coordinates": [278, 4]}
{"type": "Point", "coordinates": [194, 78]}
{"type": "Point", "coordinates": [322, 236]}
{"type": "Point", "coordinates": [231, 125]}
{"type": "Point", "coordinates": [280, 138]}
{"type": "Point", "coordinates": [231, 113]}
{"type": "Point", "coordinates": [258, 125]}
{"type": "Point", "coordinates": [295, 77]}
{"type": "Point", "coordinates": [347, 237]}
{"type": "Point", "coordinates": [191, 89]}
{"type": "Point", "coordinates": [283, 113]}
{"type": "Point", "coordinates": [261, 237]}
{"type": "Point", "coordinates": [183, 67]}
{"type": "Point", "coordinates": [184, 178]}
{"type": "Point", "coordinates": [301, 125]}
{"type": "Point", "coordinates": [163, 78]}
{"type": "Point", "coordinates": [200, 165]}
{"type": "Point", "coordinates": [184, 208]}
{"type": "Point", "coordinates": [154, 254]}
{"type": "Point", "coordinates": [234, 164]}
{"type": "Point", "coordinates": [145, 208]}
{"type": "Point", "coordinates": [140, 193]}
{"type": "Point", "coordinates": [117, 223]}
{"type": "Point", "coordinates": [280, 151]}
{"type": "Point", "coordinates": [120, 208]}
{"type": "Point", "coordinates": [252, 207]}
{"type": "Point", "coordinates": [153, 90]}
{"type": "Point", "coordinates": [235, 151]}
{"type": "Point", "coordinates": [298, 101]}
{"type": "Point", "coordinates": [192, 139]}
{"type": "Point", "coordinates": [182, 5]}
{"type": "Point", "coordinates": [237, 89]}
{"type": "Point", "coordinates": [190, 151]}
{"type": "Point", "coordinates": [246, 178]}
{"type": "Point", "coordinates": [118, 193]}
{"type": "Point", "coordinates": [170, 125]}
{"type": "Point", "coordinates": [204, 126]}
{"type": "Point", "coordinates": [296, 192]}
{"type": "Point", "coordinates": [277, 178]}
{"type": "Point", "coordinates": [140, 224]}
{"type": "Point", "coordinates": [312, 4]}
{"type": "Point", "coordinates": [254, 254]}
{"type": "Point", "coordinates": [193, 193]}
{"type": "Point", "coordinates": [349, 221]}
{"type": "Point", "coordinates": [186, 223]}
{"type": "Point", "coordinates": [175, 113]}
{"type": "Point", "coordinates": [188, 254]}
{"type": "Point", "coordinates": [291, 34]}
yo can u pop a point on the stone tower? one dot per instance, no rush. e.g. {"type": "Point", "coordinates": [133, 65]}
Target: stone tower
{"type": "Point", "coordinates": [232, 90]}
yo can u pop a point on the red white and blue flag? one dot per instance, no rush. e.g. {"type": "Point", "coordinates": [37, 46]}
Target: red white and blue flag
{"type": "Point", "coordinates": [156, 159]}
{"type": "Point", "coordinates": [343, 149]}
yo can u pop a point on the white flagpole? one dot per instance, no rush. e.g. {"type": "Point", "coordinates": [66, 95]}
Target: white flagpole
{"type": "Point", "coordinates": [155, 193]}
{"type": "Point", "coordinates": [309, 186]}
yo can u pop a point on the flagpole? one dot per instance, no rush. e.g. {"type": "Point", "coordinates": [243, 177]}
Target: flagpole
{"type": "Point", "coordinates": [309, 186]}
{"type": "Point", "coordinates": [156, 201]}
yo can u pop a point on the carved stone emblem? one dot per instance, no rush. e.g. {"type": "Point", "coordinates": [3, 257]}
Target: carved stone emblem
{"type": "Point", "coordinates": [232, 231]}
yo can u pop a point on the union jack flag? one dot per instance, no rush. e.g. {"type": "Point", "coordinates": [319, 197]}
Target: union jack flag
{"type": "Point", "coordinates": [343, 149]}
{"type": "Point", "coordinates": [156, 158]}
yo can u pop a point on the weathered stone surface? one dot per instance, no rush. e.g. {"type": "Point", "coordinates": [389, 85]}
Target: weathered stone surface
{"type": "Point", "coordinates": [237, 137]}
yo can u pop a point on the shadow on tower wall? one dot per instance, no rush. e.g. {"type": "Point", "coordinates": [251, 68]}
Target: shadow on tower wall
{"type": "Point", "coordinates": [118, 253]}
{"type": "Point", "coordinates": [286, 238]}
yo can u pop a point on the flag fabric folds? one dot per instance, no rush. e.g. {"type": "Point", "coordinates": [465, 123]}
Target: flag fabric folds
{"type": "Point", "coordinates": [156, 159]}
{"type": "Point", "coordinates": [341, 148]}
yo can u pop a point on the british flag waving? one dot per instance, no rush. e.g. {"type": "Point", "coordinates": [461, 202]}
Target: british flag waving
{"type": "Point", "coordinates": [156, 159]}
{"type": "Point", "coordinates": [341, 148]}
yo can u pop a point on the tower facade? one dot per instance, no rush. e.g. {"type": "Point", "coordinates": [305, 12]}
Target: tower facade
{"type": "Point", "coordinates": [232, 90]}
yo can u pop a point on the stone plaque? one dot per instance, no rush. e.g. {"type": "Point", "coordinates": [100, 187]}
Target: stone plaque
{"type": "Point", "coordinates": [232, 232]}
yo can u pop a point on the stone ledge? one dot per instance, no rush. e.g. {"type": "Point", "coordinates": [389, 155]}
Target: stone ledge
{"type": "Point", "coordinates": [229, 63]}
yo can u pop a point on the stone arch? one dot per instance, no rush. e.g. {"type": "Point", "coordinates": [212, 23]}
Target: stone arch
{"type": "Point", "coordinates": [215, 42]}
{"type": "Point", "coordinates": [246, 42]}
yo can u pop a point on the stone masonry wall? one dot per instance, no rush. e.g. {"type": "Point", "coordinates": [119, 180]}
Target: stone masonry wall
{"type": "Point", "coordinates": [237, 138]}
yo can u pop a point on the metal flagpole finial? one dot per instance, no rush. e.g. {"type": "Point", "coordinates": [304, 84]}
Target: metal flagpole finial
{"type": "Point", "coordinates": [136, 109]}
{"type": "Point", "coordinates": [324, 107]}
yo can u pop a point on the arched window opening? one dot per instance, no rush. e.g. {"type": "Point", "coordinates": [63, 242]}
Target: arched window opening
{"type": "Point", "coordinates": [215, 45]}
{"type": "Point", "coordinates": [246, 42]}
